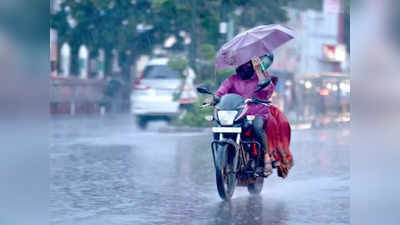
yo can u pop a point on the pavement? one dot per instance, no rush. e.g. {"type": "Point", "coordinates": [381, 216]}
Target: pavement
{"type": "Point", "coordinates": [105, 171]}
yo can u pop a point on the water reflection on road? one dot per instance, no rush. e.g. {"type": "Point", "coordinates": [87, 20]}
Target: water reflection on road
{"type": "Point", "coordinates": [106, 171]}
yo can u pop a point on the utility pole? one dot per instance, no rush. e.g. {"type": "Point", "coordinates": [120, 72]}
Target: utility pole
{"type": "Point", "coordinates": [65, 59]}
{"type": "Point", "coordinates": [83, 62]}
{"type": "Point", "coordinates": [231, 28]}
{"type": "Point", "coordinates": [101, 65]}
{"type": "Point", "coordinates": [340, 36]}
{"type": "Point", "coordinates": [223, 25]}
{"type": "Point", "coordinates": [193, 36]}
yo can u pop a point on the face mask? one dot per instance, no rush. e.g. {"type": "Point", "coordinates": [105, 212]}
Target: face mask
{"type": "Point", "coordinates": [266, 62]}
{"type": "Point", "coordinates": [245, 71]}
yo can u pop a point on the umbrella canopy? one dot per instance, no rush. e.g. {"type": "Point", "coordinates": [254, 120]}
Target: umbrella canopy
{"type": "Point", "coordinates": [257, 41]}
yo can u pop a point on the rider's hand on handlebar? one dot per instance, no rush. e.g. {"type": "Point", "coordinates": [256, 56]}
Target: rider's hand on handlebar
{"type": "Point", "coordinates": [257, 101]}
{"type": "Point", "coordinates": [207, 102]}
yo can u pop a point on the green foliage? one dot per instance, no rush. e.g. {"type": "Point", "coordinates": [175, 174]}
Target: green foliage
{"type": "Point", "coordinates": [307, 4]}
{"type": "Point", "coordinates": [106, 24]}
{"type": "Point", "coordinates": [111, 24]}
{"type": "Point", "coordinates": [208, 51]}
{"type": "Point", "coordinates": [255, 12]}
{"type": "Point", "coordinates": [223, 74]}
{"type": "Point", "coordinates": [214, 81]}
{"type": "Point", "coordinates": [196, 116]}
{"type": "Point", "coordinates": [178, 63]}
{"type": "Point", "coordinates": [157, 5]}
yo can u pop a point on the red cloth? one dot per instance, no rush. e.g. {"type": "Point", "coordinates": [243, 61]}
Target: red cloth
{"type": "Point", "coordinates": [278, 131]}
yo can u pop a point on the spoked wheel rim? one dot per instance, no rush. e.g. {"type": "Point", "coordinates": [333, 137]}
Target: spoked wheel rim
{"type": "Point", "coordinates": [229, 182]}
{"type": "Point", "coordinates": [225, 183]}
{"type": "Point", "coordinates": [225, 178]}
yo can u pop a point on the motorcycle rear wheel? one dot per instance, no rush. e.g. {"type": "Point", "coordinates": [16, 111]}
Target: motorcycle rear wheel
{"type": "Point", "coordinates": [256, 187]}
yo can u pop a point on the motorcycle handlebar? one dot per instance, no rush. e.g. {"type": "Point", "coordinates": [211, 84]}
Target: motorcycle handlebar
{"type": "Point", "coordinates": [257, 100]}
{"type": "Point", "coordinates": [204, 105]}
{"type": "Point", "coordinates": [252, 100]}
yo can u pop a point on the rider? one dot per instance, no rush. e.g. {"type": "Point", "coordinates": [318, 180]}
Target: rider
{"type": "Point", "coordinates": [243, 83]}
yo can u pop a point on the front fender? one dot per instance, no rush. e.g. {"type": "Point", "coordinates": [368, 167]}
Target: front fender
{"type": "Point", "coordinates": [219, 151]}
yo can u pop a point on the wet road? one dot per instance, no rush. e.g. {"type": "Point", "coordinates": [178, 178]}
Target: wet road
{"type": "Point", "coordinates": [104, 171]}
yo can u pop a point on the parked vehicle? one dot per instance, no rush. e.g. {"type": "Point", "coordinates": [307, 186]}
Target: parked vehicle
{"type": "Point", "coordinates": [152, 96]}
{"type": "Point", "coordinates": [235, 151]}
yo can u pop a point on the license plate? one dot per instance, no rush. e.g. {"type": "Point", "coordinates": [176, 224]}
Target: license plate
{"type": "Point", "coordinates": [227, 129]}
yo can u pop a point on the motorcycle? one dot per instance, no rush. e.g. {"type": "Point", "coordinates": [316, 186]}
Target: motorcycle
{"type": "Point", "coordinates": [237, 155]}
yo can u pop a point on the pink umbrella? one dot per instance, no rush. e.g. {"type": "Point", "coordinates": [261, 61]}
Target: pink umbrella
{"type": "Point", "coordinates": [257, 41]}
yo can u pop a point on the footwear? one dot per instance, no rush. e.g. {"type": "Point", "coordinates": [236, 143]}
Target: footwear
{"type": "Point", "coordinates": [267, 169]}
{"type": "Point", "coordinates": [282, 171]}
{"type": "Point", "coordinates": [275, 164]}
{"type": "Point", "coordinates": [264, 172]}
{"type": "Point", "coordinates": [284, 167]}
{"type": "Point", "coordinates": [267, 165]}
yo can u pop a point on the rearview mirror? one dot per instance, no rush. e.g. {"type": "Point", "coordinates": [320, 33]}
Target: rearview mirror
{"type": "Point", "coordinates": [203, 90]}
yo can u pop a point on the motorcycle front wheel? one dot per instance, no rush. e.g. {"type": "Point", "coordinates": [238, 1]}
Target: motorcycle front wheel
{"type": "Point", "coordinates": [224, 171]}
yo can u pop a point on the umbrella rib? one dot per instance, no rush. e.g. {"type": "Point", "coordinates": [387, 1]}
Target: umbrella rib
{"type": "Point", "coordinates": [245, 46]}
{"type": "Point", "coordinates": [255, 36]}
{"type": "Point", "coordinates": [238, 44]}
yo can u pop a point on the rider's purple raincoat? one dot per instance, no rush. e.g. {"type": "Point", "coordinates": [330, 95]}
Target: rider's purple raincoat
{"type": "Point", "coordinates": [245, 88]}
{"type": "Point", "coordinates": [277, 126]}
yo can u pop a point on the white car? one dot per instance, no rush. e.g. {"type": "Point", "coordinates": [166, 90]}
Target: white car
{"type": "Point", "coordinates": [152, 95]}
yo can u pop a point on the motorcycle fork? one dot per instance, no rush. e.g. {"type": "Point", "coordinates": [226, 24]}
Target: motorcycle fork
{"type": "Point", "coordinates": [229, 143]}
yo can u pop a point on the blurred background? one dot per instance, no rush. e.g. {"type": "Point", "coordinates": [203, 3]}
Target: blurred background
{"type": "Point", "coordinates": [129, 143]}
{"type": "Point", "coordinates": [145, 57]}
{"type": "Point", "coordinates": [94, 169]}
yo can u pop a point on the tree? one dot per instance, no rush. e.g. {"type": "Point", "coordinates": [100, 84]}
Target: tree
{"type": "Point", "coordinates": [201, 18]}
{"type": "Point", "coordinates": [113, 24]}
{"type": "Point", "coordinates": [106, 24]}
{"type": "Point", "coordinates": [255, 12]}
{"type": "Point", "coordinates": [306, 4]}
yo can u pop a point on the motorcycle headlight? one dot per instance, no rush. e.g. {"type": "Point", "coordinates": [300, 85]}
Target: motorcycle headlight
{"type": "Point", "coordinates": [226, 118]}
